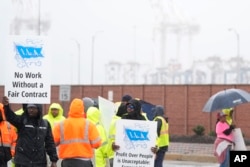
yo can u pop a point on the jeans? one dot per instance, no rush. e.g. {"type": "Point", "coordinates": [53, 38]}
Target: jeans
{"type": "Point", "coordinates": [160, 157]}
{"type": "Point", "coordinates": [225, 163]}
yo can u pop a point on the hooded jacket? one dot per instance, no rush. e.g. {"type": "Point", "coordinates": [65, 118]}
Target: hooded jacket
{"type": "Point", "coordinates": [137, 113]}
{"type": "Point", "coordinates": [8, 137]}
{"type": "Point", "coordinates": [34, 138]}
{"type": "Point", "coordinates": [53, 120]}
{"type": "Point", "coordinates": [76, 136]}
{"type": "Point", "coordinates": [94, 116]}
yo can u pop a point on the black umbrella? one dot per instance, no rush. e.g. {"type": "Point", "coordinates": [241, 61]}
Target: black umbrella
{"type": "Point", "coordinates": [148, 109]}
{"type": "Point", "coordinates": [227, 98]}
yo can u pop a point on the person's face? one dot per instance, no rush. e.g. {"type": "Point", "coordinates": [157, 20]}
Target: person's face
{"type": "Point", "coordinates": [54, 112]}
{"type": "Point", "coordinates": [130, 108]}
{"type": "Point", "coordinates": [223, 118]}
{"type": "Point", "coordinates": [32, 111]}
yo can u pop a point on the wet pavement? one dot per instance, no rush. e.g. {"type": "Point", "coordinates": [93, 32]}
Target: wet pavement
{"type": "Point", "coordinates": [168, 163]}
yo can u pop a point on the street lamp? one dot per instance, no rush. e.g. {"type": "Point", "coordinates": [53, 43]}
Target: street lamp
{"type": "Point", "coordinates": [79, 58]}
{"type": "Point", "coordinates": [93, 55]}
{"type": "Point", "coordinates": [238, 52]}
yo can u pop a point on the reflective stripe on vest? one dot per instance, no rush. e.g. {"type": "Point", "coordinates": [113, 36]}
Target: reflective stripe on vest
{"type": "Point", "coordinates": [9, 130]}
{"type": "Point", "coordinates": [76, 140]}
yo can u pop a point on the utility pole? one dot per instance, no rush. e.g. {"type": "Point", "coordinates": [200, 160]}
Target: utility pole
{"type": "Point", "coordinates": [238, 53]}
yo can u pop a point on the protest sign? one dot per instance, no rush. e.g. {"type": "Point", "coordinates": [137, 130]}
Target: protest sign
{"type": "Point", "coordinates": [135, 138]}
{"type": "Point", "coordinates": [27, 76]}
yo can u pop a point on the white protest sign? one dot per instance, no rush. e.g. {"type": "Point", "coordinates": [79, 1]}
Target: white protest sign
{"type": "Point", "coordinates": [107, 109]}
{"type": "Point", "coordinates": [27, 76]}
{"type": "Point", "coordinates": [239, 140]}
{"type": "Point", "coordinates": [135, 138]}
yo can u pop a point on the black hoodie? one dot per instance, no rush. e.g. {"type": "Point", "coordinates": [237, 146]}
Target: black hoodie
{"type": "Point", "coordinates": [136, 114]}
{"type": "Point", "coordinates": [35, 138]}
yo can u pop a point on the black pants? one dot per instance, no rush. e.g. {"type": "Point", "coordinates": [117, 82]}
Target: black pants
{"type": "Point", "coordinates": [3, 164]}
{"type": "Point", "coordinates": [76, 163]}
{"type": "Point", "coordinates": [18, 165]}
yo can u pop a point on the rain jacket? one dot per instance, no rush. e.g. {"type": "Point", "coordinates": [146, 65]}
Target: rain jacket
{"type": "Point", "coordinates": [34, 138]}
{"type": "Point", "coordinates": [94, 116]}
{"type": "Point", "coordinates": [53, 120]}
{"type": "Point", "coordinates": [8, 138]}
{"type": "Point", "coordinates": [120, 110]}
{"type": "Point", "coordinates": [76, 136]}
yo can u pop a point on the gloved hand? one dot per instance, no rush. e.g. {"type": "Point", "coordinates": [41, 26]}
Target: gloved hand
{"type": "Point", "coordinates": [115, 147]}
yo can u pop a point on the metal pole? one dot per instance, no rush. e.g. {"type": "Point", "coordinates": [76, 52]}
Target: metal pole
{"type": "Point", "coordinates": [238, 53]}
{"type": "Point", "coordinates": [92, 59]}
{"type": "Point", "coordinates": [93, 56]}
{"type": "Point", "coordinates": [79, 58]}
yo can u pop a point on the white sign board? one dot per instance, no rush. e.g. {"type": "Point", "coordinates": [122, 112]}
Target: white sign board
{"type": "Point", "coordinates": [107, 109]}
{"type": "Point", "coordinates": [27, 74]}
{"type": "Point", "coordinates": [239, 140]}
{"type": "Point", "coordinates": [135, 138]}
{"type": "Point", "coordinates": [64, 92]}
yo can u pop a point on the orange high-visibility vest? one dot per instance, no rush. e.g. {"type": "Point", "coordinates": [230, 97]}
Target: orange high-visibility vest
{"type": "Point", "coordinates": [8, 135]}
{"type": "Point", "coordinates": [76, 136]}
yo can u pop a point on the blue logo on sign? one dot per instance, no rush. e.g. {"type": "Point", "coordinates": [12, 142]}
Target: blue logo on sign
{"type": "Point", "coordinates": [29, 53]}
{"type": "Point", "coordinates": [136, 135]}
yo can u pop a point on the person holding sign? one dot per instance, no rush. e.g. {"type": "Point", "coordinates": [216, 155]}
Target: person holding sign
{"type": "Point", "coordinates": [132, 141]}
{"type": "Point", "coordinates": [224, 140]}
{"type": "Point", "coordinates": [35, 138]}
{"type": "Point", "coordinates": [163, 136]}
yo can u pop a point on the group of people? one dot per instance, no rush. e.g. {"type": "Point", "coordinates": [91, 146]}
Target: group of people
{"type": "Point", "coordinates": [79, 140]}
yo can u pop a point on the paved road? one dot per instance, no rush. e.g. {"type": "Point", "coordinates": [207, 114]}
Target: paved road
{"type": "Point", "coordinates": [168, 163]}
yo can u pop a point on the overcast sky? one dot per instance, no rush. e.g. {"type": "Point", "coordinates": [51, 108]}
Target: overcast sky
{"type": "Point", "coordinates": [123, 32]}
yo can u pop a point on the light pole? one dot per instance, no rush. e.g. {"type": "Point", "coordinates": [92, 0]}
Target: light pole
{"type": "Point", "coordinates": [238, 52]}
{"type": "Point", "coordinates": [79, 58]}
{"type": "Point", "coordinates": [93, 55]}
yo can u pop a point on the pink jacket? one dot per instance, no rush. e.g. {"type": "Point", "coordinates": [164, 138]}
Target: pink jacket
{"type": "Point", "coordinates": [220, 127]}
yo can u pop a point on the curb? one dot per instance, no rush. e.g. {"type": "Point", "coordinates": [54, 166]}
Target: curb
{"type": "Point", "coordinates": [196, 158]}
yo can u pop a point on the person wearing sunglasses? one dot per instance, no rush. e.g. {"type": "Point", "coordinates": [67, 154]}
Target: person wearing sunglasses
{"type": "Point", "coordinates": [134, 110]}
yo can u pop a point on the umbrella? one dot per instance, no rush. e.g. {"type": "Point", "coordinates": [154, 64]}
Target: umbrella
{"type": "Point", "coordinates": [226, 99]}
{"type": "Point", "coordinates": [147, 108]}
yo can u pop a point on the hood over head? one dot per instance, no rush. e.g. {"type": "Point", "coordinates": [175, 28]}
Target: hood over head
{"type": "Point", "coordinates": [88, 102]}
{"type": "Point", "coordinates": [158, 110]}
{"type": "Point", "coordinates": [57, 106]}
{"type": "Point", "coordinates": [122, 109]}
{"type": "Point", "coordinates": [137, 106]}
{"type": "Point", "coordinates": [126, 98]}
{"type": "Point", "coordinates": [39, 108]}
{"type": "Point", "coordinates": [76, 109]}
{"type": "Point", "coordinates": [94, 114]}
